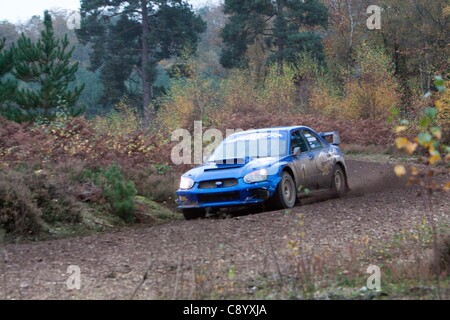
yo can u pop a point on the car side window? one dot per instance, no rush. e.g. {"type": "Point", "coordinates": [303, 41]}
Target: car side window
{"type": "Point", "coordinates": [313, 140]}
{"type": "Point", "coordinates": [297, 140]}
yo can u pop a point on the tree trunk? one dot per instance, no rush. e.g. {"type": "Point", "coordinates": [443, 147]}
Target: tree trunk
{"type": "Point", "coordinates": [146, 81]}
{"type": "Point", "coordinates": [280, 57]}
{"type": "Point", "coordinates": [280, 41]}
{"type": "Point", "coordinates": [428, 66]}
{"type": "Point", "coordinates": [397, 57]}
{"type": "Point", "coordinates": [352, 33]}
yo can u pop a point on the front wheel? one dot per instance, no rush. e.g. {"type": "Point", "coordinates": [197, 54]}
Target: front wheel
{"type": "Point", "coordinates": [338, 181]}
{"type": "Point", "coordinates": [191, 214]}
{"type": "Point", "coordinates": [286, 193]}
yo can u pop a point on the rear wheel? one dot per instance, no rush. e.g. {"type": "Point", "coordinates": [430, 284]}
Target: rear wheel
{"type": "Point", "coordinates": [191, 214]}
{"type": "Point", "coordinates": [286, 193]}
{"type": "Point", "coordinates": [338, 181]}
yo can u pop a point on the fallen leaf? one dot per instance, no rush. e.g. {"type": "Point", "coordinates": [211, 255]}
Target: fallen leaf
{"type": "Point", "coordinates": [434, 159]}
{"type": "Point", "coordinates": [447, 187]}
{"type": "Point", "coordinates": [411, 147]}
{"type": "Point", "coordinates": [401, 142]}
{"type": "Point", "coordinates": [400, 129]}
{"type": "Point", "coordinates": [437, 133]}
{"type": "Point", "coordinates": [400, 170]}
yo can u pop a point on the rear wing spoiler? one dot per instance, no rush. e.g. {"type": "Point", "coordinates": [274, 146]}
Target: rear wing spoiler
{"type": "Point", "coordinates": [334, 134]}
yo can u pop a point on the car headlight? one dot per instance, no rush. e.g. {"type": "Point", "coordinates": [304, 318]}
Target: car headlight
{"type": "Point", "coordinates": [256, 176]}
{"type": "Point", "coordinates": [186, 183]}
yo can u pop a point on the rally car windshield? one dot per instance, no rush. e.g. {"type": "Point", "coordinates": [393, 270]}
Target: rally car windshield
{"type": "Point", "coordinates": [251, 145]}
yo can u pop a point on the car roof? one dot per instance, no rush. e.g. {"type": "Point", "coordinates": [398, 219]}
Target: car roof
{"type": "Point", "coordinates": [274, 129]}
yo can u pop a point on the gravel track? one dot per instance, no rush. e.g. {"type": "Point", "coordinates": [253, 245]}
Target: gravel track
{"type": "Point", "coordinates": [114, 265]}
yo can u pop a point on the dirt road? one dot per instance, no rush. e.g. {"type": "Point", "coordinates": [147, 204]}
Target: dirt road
{"type": "Point", "coordinates": [158, 262]}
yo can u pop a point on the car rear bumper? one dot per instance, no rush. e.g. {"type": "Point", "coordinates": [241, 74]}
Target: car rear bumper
{"type": "Point", "coordinates": [241, 195]}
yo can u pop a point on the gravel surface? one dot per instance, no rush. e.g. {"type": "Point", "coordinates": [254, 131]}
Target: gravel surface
{"type": "Point", "coordinates": [185, 258]}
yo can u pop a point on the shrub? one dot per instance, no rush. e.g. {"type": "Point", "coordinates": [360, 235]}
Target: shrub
{"type": "Point", "coordinates": [443, 116]}
{"type": "Point", "coordinates": [444, 254]}
{"type": "Point", "coordinates": [19, 213]}
{"type": "Point", "coordinates": [239, 94]}
{"type": "Point", "coordinates": [375, 92]}
{"type": "Point", "coordinates": [278, 92]}
{"type": "Point", "coordinates": [31, 198]}
{"type": "Point", "coordinates": [308, 71]}
{"type": "Point", "coordinates": [117, 191]}
{"type": "Point", "coordinates": [55, 193]}
{"type": "Point", "coordinates": [372, 92]}
{"type": "Point", "coordinates": [178, 107]}
{"type": "Point", "coordinates": [325, 98]}
{"type": "Point", "coordinates": [191, 97]}
{"type": "Point", "coordinates": [123, 120]}
{"type": "Point", "coordinates": [67, 139]}
{"type": "Point", "coordinates": [150, 212]}
{"type": "Point", "coordinates": [156, 183]}
{"type": "Point", "coordinates": [439, 260]}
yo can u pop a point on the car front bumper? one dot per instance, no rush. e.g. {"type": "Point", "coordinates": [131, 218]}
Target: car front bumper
{"type": "Point", "coordinates": [240, 195]}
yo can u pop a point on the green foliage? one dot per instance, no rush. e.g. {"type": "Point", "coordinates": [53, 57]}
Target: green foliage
{"type": "Point", "coordinates": [371, 92]}
{"type": "Point", "coordinates": [47, 68]}
{"type": "Point", "coordinates": [430, 138]}
{"type": "Point", "coordinates": [134, 36]}
{"type": "Point", "coordinates": [8, 87]}
{"type": "Point", "coordinates": [192, 96]}
{"type": "Point", "coordinates": [282, 25]}
{"type": "Point", "coordinates": [443, 109]}
{"type": "Point", "coordinates": [247, 20]}
{"type": "Point", "coordinates": [213, 102]}
{"type": "Point", "coordinates": [375, 91]}
{"type": "Point", "coordinates": [122, 120]}
{"type": "Point", "coordinates": [149, 211]}
{"type": "Point", "coordinates": [92, 94]}
{"type": "Point", "coordinates": [278, 92]}
{"type": "Point", "coordinates": [117, 191]}
{"type": "Point", "coordinates": [41, 201]}
{"type": "Point", "coordinates": [162, 168]}
{"type": "Point", "coordinates": [418, 55]}
{"type": "Point", "coordinates": [326, 97]}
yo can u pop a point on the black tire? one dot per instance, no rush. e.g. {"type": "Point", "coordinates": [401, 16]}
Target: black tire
{"type": "Point", "coordinates": [338, 181]}
{"type": "Point", "coordinates": [285, 196]}
{"type": "Point", "coordinates": [191, 214]}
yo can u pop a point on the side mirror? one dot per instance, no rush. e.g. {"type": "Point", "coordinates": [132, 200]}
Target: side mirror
{"type": "Point", "coordinates": [336, 138]}
{"type": "Point", "coordinates": [297, 151]}
{"type": "Point", "coordinates": [335, 135]}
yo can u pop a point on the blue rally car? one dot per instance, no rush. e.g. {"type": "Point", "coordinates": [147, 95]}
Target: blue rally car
{"type": "Point", "coordinates": [273, 166]}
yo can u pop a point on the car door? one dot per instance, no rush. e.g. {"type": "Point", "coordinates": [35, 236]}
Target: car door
{"type": "Point", "coordinates": [316, 157]}
{"type": "Point", "coordinates": [302, 164]}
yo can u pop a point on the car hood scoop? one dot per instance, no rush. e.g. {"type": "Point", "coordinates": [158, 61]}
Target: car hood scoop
{"type": "Point", "coordinates": [222, 167]}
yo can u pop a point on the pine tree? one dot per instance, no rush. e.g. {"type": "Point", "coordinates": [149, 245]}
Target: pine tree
{"type": "Point", "coordinates": [7, 86]}
{"type": "Point", "coordinates": [47, 69]}
{"type": "Point", "coordinates": [287, 26]}
{"type": "Point", "coordinates": [132, 36]}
